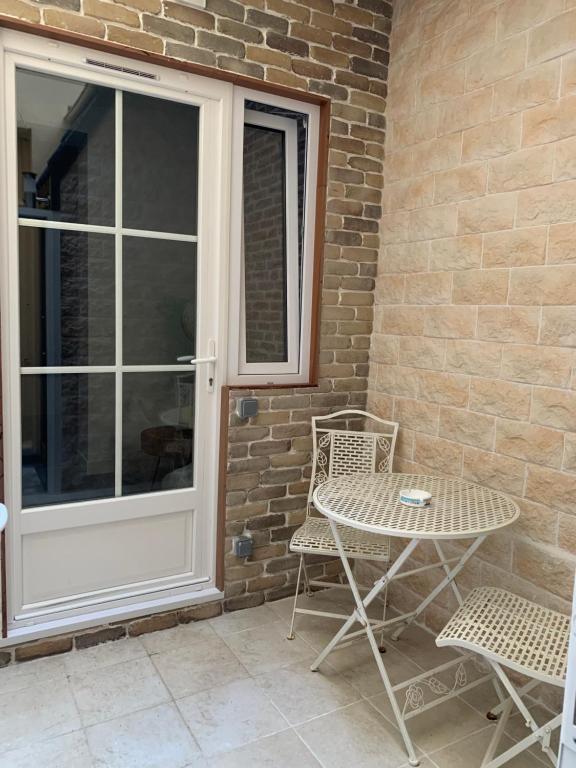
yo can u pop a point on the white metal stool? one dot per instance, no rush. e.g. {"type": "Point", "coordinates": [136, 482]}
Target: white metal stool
{"type": "Point", "coordinates": [509, 631]}
{"type": "Point", "coordinates": [337, 452]}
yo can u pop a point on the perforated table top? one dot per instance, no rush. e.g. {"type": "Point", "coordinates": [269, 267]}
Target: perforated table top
{"type": "Point", "coordinates": [371, 502]}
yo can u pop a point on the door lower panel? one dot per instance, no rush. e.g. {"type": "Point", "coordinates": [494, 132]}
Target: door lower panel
{"type": "Point", "coordinates": [75, 563]}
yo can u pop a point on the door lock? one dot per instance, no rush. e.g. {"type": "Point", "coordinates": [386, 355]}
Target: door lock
{"type": "Point", "coordinates": [209, 361]}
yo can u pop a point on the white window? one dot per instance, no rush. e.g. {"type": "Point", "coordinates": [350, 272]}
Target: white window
{"type": "Point", "coordinates": [274, 176]}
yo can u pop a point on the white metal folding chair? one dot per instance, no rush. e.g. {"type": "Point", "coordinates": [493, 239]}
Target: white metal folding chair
{"type": "Point", "coordinates": [338, 450]}
{"type": "Point", "coordinates": [509, 631]}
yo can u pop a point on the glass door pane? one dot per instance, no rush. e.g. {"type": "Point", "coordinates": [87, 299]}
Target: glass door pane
{"type": "Point", "coordinates": [65, 149]}
{"type": "Point", "coordinates": [67, 312]}
{"type": "Point", "coordinates": [160, 164]}
{"type": "Point", "coordinates": [67, 438]}
{"type": "Point", "coordinates": [158, 431]}
{"type": "Point", "coordinates": [159, 300]}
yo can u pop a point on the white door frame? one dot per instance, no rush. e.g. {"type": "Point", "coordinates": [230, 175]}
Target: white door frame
{"type": "Point", "coordinates": [215, 97]}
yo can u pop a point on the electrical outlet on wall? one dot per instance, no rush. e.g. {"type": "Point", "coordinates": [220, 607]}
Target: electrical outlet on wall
{"type": "Point", "coordinates": [242, 545]}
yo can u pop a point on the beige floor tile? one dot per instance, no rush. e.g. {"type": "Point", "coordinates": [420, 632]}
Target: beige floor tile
{"type": "Point", "coordinates": [69, 751]}
{"type": "Point", "coordinates": [469, 752]}
{"type": "Point", "coordinates": [229, 716]}
{"type": "Point", "coordinates": [419, 646]}
{"type": "Point", "coordinates": [103, 694]}
{"type": "Point", "coordinates": [317, 631]}
{"type": "Point", "coordinates": [104, 655]}
{"type": "Point", "coordinates": [36, 713]}
{"type": "Point", "coordinates": [197, 667]}
{"type": "Point", "coordinates": [178, 637]}
{"type": "Point", "coordinates": [438, 726]}
{"type": "Point", "coordinates": [357, 665]}
{"type": "Point", "coordinates": [481, 698]}
{"type": "Point", "coordinates": [265, 648]}
{"type": "Point", "coordinates": [354, 736]}
{"type": "Point", "coordinates": [333, 600]}
{"type": "Point", "coordinates": [282, 750]}
{"type": "Point", "coordinates": [301, 694]}
{"type": "Point", "coordinates": [152, 738]}
{"type": "Point", "coordinates": [16, 677]}
{"type": "Point", "coordinates": [237, 621]}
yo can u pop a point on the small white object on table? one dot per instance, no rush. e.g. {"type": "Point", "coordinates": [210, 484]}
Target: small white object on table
{"type": "Point", "coordinates": [371, 502]}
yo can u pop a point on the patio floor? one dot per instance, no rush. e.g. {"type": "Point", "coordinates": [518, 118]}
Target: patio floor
{"type": "Point", "coordinates": [233, 693]}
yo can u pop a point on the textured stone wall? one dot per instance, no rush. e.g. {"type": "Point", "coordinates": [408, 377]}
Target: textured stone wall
{"type": "Point", "coordinates": [330, 47]}
{"type": "Point", "coordinates": [474, 342]}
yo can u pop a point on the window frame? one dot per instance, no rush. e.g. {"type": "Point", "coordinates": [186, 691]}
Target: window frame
{"type": "Point", "coordinates": [299, 366]}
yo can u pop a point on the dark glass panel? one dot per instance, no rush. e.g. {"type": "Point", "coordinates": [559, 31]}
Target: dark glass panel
{"type": "Point", "coordinates": [158, 431]}
{"type": "Point", "coordinates": [159, 302]}
{"type": "Point", "coordinates": [265, 245]}
{"type": "Point", "coordinates": [67, 438]}
{"type": "Point", "coordinates": [65, 149]}
{"type": "Point", "coordinates": [160, 162]}
{"type": "Point", "coordinates": [66, 298]}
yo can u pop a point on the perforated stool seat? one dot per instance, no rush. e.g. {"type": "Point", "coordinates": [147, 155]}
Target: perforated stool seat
{"type": "Point", "coordinates": [510, 631]}
{"type": "Point", "coordinates": [513, 631]}
{"type": "Point", "coordinates": [315, 537]}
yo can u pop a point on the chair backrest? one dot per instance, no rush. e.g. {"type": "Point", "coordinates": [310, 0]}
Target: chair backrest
{"type": "Point", "coordinates": [343, 445]}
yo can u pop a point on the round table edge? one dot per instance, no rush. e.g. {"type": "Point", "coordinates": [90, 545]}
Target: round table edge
{"type": "Point", "coordinates": [446, 535]}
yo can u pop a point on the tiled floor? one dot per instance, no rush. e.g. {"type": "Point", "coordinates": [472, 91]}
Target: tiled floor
{"type": "Point", "coordinates": [232, 693]}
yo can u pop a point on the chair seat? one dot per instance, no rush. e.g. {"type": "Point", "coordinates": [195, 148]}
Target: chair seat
{"type": "Point", "coordinates": [315, 538]}
{"type": "Point", "coordinates": [511, 631]}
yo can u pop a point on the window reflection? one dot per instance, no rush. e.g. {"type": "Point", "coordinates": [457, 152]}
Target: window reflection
{"type": "Point", "coordinates": [65, 149]}
{"type": "Point", "coordinates": [159, 300]}
{"type": "Point", "coordinates": [66, 298]}
{"type": "Point", "coordinates": [67, 438]}
{"type": "Point", "coordinates": [158, 431]}
{"type": "Point", "coordinates": [274, 165]}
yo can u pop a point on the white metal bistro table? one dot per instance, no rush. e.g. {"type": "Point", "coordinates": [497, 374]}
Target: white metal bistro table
{"type": "Point", "coordinates": [371, 502]}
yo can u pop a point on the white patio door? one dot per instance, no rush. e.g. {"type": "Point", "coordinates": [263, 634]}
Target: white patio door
{"type": "Point", "coordinates": [114, 204]}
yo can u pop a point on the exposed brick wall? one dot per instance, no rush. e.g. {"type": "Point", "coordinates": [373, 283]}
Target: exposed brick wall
{"type": "Point", "coordinates": [333, 47]}
{"type": "Point", "coordinates": [474, 343]}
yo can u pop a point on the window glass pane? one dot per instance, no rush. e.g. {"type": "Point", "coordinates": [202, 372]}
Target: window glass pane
{"type": "Point", "coordinates": [275, 141]}
{"type": "Point", "coordinates": [159, 300]}
{"type": "Point", "coordinates": [66, 298]}
{"type": "Point", "coordinates": [65, 149]}
{"type": "Point", "coordinates": [67, 437]}
{"type": "Point", "coordinates": [265, 245]}
{"type": "Point", "coordinates": [158, 431]}
{"type": "Point", "coordinates": [160, 161]}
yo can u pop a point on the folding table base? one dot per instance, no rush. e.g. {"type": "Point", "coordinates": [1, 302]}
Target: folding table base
{"type": "Point", "coordinates": [369, 627]}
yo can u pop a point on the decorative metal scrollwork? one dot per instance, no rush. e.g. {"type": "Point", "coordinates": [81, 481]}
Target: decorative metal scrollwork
{"type": "Point", "coordinates": [415, 698]}
{"type": "Point", "coordinates": [383, 445]}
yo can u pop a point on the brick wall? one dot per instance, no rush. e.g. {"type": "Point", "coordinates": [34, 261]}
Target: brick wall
{"type": "Point", "coordinates": [473, 349]}
{"type": "Point", "coordinates": [331, 47]}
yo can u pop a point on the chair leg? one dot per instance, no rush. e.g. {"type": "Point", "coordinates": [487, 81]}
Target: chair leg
{"type": "Point", "coordinates": [307, 588]}
{"type": "Point", "coordinates": [381, 636]}
{"type": "Point", "coordinates": [301, 567]}
{"type": "Point", "coordinates": [498, 733]}
{"type": "Point", "coordinates": [539, 734]}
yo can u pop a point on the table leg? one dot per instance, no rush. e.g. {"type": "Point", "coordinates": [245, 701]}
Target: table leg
{"type": "Point", "coordinates": [448, 580]}
{"type": "Point", "coordinates": [360, 615]}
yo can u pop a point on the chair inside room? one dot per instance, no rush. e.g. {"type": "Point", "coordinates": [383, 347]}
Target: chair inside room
{"type": "Point", "coordinates": [346, 442]}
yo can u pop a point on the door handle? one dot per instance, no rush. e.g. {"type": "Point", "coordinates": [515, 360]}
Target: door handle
{"type": "Point", "coordinates": [195, 360]}
{"type": "Point", "coordinates": [209, 360]}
